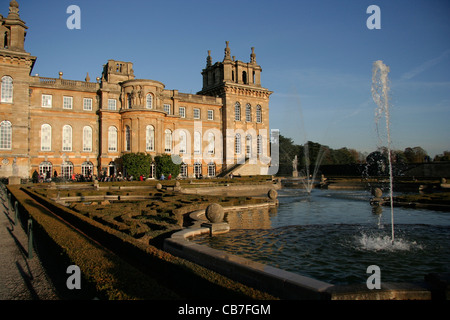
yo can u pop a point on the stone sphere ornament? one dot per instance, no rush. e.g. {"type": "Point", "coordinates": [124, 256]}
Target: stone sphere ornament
{"type": "Point", "coordinates": [377, 193]}
{"type": "Point", "coordinates": [272, 194]}
{"type": "Point", "coordinates": [214, 213]}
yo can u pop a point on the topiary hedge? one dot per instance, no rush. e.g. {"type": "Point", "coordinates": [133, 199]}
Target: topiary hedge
{"type": "Point", "coordinates": [127, 269]}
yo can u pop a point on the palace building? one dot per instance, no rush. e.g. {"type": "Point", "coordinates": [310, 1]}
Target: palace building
{"type": "Point", "coordinates": [70, 126]}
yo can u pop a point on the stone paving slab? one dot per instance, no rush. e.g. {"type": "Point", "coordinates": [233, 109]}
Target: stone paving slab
{"type": "Point", "coordinates": [20, 278]}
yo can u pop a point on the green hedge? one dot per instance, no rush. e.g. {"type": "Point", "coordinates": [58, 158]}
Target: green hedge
{"type": "Point", "coordinates": [135, 270]}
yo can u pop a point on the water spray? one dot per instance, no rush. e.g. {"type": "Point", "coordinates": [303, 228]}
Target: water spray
{"type": "Point", "coordinates": [380, 94]}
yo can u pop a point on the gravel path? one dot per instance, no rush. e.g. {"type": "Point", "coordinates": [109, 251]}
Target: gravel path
{"type": "Point", "coordinates": [20, 278]}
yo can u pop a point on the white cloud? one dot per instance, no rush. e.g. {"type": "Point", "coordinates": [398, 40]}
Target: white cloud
{"type": "Point", "coordinates": [425, 66]}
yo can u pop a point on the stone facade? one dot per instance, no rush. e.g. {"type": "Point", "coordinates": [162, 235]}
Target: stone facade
{"type": "Point", "coordinates": [80, 127]}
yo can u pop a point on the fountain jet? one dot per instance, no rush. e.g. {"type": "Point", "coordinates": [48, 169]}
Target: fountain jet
{"type": "Point", "coordinates": [380, 94]}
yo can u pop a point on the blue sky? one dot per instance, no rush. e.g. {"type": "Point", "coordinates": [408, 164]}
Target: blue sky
{"type": "Point", "coordinates": [316, 57]}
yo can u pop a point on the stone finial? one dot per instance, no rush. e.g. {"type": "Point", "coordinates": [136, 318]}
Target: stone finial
{"type": "Point", "coordinates": [209, 59]}
{"type": "Point", "coordinates": [253, 56]}
{"type": "Point", "coordinates": [214, 213]}
{"type": "Point", "coordinates": [60, 74]}
{"type": "Point", "coordinates": [227, 51]}
{"type": "Point", "coordinates": [13, 10]}
{"type": "Point", "coordinates": [87, 79]}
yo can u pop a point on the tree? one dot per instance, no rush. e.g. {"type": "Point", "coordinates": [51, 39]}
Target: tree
{"type": "Point", "coordinates": [165, 165]}
{"type": "Point", "coordinates": [415, 155]}
{"type": "Point", "coordinates": [377, 163]}
{"type": "Point", "coordinates": [442, 157]}
{"type": "Point", "coordinates": [137, 164]}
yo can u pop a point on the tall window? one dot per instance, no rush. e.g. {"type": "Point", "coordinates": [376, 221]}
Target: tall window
{"type": "Point", "coordinates": [248, 113]}
{"type": "Point", "coordinates": [112, 104]}
{"type": "Point", "coordinates": [211, 143]}
{"type": "Point", "coordinates": [168, 140]}
{"type": "Point", "coordinates": [259, 144]}
{"type": "Point", "coordinates": [87, 139]}
{"type": "Point", "coordinates": [112, 139]}
{"type": "Point", "coordinates": [258, 114]}
{"type": "Point", "coordinates": [149, 101]}
{"type": "Point", "coordinates": [248, 146]}
{"type": "Point", "coordinates": [45, 169]}
{"type": "Point", "coordinates": [129, 100]}
{"type": "Point", "coordinates": [237, 112]}
{"type": "Point", "coordinates": [237, 143]}
{"type": "Point", "coordinates": [150, 138]}
{"type": "Point", "coordinates": [67, 138]}
{"type": "Point", "coordinates": [7, 89]}
{"type": "Point", "coordinates": [183, 142]}
{"type": "Point", "coordinates": [197, 143]}
{"type": "Point", "coordinates": [127, 138]}
{"type": "Point", "coordinates": [87, 168]}
{"type": "Point", "coordinates": [210, 114]}
{"type": "Point", "coordinates": [87, 104]}
{"type": "Point", "coordinates": [197, 169]}
{"type": "Point", "coordinates": [67, 102]}
{"type": "Point", "coordinates": [5, 135]}
{"type": "Point", "coordinates": [211, 169]}
{"type": "Point", "coordinates": [46, 137]}
{"type": "Point", "coordinates": [67, 169]}
{"type": "Point", "coordinates": [184, 170]}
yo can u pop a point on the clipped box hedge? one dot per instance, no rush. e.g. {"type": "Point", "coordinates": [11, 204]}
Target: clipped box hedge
{"type": "Point", "coordinates": [123, 267]}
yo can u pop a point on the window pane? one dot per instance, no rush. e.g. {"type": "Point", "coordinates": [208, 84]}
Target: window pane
{"type": "Point", "coordinates": [7, 89]}
{"type": "Point", "coordinates": [47, 100]}
{"type": "Point", "coordinates": [46, 137]}
{"type": "Point", "coordinates": [112, 139]}
{"type": "Point", "coordinates": [67, 138]}
{"type": "Point", "coordinates": [112, 104]}
{"type": "Point", "coordinates": [87, 139]}
{"type": "Point", "coordinates": [5, 135]}
{"type": "Point", "coordinates": [87, 104]}
{"type": "Point", "coordinates": [67, 102]}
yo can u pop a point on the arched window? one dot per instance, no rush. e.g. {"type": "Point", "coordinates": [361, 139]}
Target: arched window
{"type": "Point", "coordinates": [87, 139]}
{"type": "Point", "coordinates": [46, 137]}
{"type": "Point", "coordinates": [150, 138]}
{"type": "Point", "coordinates": [211, 143]}
{"type": "Point", "coordinates": [248, 113]}
{"type": "Point", "coordinates": [149, 101]}
{"type": "Point", "coordinates": [237, 144]}
{"type": "Point", "coordinates": [197, 169]}
{"type": "Point", "coordinates": [183, 141]}
{"type": "Point", "coordinates": [5, 135]}
{"type": "Point", "coordinates": [45, 169]}
{"type": "Point", "coordinates": [183, 170]}
{"type": "Point", "coordinates": [87, 168]}
{"type": "Point", "coordinates": [127, 138]}
{"type": "Point", "coordinates": [168, 140]}
{"type": "Point", "coordinates": [67, 138]}
{"type": "Point", "coordinates": [211, 169]}
{"type": "Point", "coordinates": [197, 143]}
{"type": "Point", "coordinates": [112, 139]}
{"type": "Point", "coordinates": [237, 112]}
{"type": "Point", "coordinates": [258, 114]}
{"type": "Point", "coordinates": [7, 89]}
{"type": "Point", "coordinates": [244, 77]}
{"type": "Point", "coordinates": [67, 169]}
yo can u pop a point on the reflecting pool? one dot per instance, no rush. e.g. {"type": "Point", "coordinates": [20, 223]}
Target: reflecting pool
{"type": "Point", "coordinates": [334, 236]}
